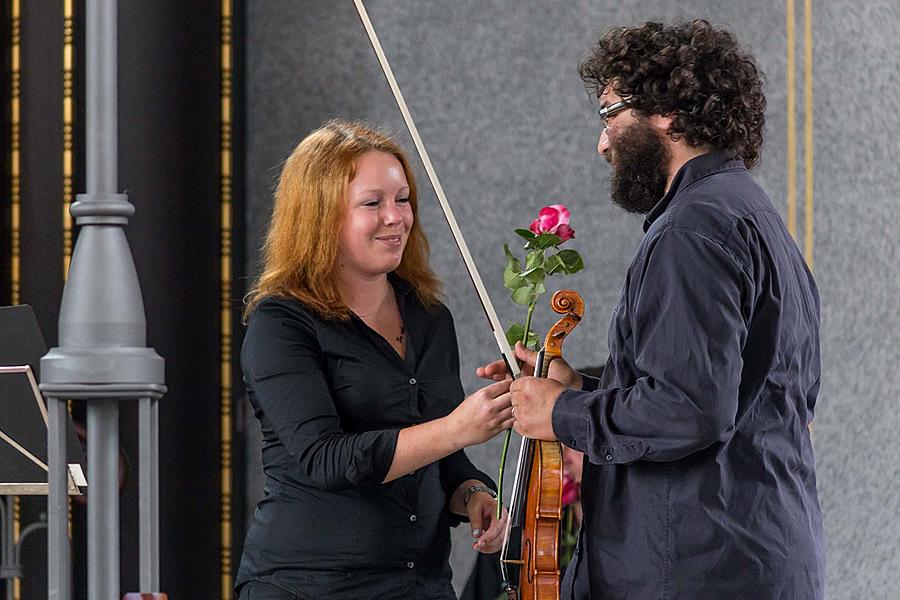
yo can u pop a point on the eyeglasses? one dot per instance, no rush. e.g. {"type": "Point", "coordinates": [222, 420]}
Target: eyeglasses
{"type": "Point", "coordinates": [606, 112]}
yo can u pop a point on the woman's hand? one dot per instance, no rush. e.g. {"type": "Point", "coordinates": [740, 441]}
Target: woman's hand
{"type": "Point", "coordinates": [482, 415]}
{"type": "Point", "coordinates": [487, 531]}
{"type": "Point", "coordinates": [559, 369]}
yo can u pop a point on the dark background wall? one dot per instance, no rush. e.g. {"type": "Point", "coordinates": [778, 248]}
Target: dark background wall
{"type": "Point", "coordinates": [172, 133]}
{"type": "Point", "coordinates": [495, 93]}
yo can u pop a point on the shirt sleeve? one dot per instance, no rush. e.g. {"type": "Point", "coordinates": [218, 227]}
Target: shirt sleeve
{"type": "Point", "coordinates": [284, 367]}
{"type": "Point", "coordinates": [687, 329]}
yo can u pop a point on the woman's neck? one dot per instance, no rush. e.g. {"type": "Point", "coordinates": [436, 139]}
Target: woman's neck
{"type": "Point", "coordinates": [365, 296]}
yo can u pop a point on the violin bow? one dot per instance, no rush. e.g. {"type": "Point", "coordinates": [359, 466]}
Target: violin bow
{"type": "Point", "coordinates": [496, 328]}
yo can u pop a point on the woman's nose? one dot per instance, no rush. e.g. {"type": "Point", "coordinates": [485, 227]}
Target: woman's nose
{"type": "Point", "coordinates": [390, 213]}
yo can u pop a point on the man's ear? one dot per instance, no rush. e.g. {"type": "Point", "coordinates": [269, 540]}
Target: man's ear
{"type": "Point", "coordinates": [662, 123]}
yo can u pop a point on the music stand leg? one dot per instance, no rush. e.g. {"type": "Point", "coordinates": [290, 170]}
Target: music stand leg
{"type": "Point", "coordinates": [59, 563]}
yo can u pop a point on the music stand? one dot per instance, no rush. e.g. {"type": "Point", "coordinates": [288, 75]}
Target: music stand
{"type": "Point", "coordinates": [23, 426]}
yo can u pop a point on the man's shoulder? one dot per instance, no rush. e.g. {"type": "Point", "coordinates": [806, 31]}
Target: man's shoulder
{"type": "Point", "coordinates": [716, 205]}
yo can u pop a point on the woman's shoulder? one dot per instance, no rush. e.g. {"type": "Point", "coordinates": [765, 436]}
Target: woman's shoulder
{"type": "Point", "coordinates": [281, 311]}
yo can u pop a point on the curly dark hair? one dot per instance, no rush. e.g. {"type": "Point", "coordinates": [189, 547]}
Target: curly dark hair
{"type": "Point", "coordinates": [694, 72]}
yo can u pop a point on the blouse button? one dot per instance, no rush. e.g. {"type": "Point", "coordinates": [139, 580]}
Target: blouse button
{"type": "Point", "coordinates": [413, 518]}
{"type": "Point", "coordinates": [410, 565]}
{"type": "Point", "coordinates": [609, 457]}
{"type": "Point", "coordinates": [412, 381]}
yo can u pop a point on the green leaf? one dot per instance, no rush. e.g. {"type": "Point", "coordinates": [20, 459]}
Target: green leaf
{"type": "Point", "coordinates": [523, 295]}
{"type": "Point", "coordinates": [545, 240]}
{"type": "Point", "coordinates": [534, 259]}
{"type": "Point", "coordinates": [513, 280]}
{"type": "Point", "coordinates": [535, 275]}
{"type": "Point", "coordinates": [526, 233]}
{"type": "Point", "coordinates": [512, 262]}
{"type": "Point", "coordinates": [572, 261]}
{"type": "Point", "coordinates": [514, 334]}
{"type": "Point", "coordinates": [554, 264]}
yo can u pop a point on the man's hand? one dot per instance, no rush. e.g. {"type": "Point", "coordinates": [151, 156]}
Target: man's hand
{"type": "Point", "coordinates": [532, 406]}
{"type": "Point", "coordinates": [559, 369]}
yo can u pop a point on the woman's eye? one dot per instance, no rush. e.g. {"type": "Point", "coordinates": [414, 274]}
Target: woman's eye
{"type": "Point", "coordinates": [403, 200]}
{"type": "Point", "coordinates": [371, 203]}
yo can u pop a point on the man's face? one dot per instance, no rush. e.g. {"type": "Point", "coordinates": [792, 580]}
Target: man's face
{"type": "Point", "coordinates": [638, 155]}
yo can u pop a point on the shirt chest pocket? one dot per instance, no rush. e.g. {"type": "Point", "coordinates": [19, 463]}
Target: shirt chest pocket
{"type": "Point", "coordinates": [371, 395]}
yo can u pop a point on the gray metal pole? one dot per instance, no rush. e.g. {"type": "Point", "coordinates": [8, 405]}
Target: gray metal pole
{"type": "Point", "coordinates": [102, 355]}
{"type": "Point", "coordinates": [59, 567]}
{"type": "Point", "coordinates": [103, 499]}
{"type": "Point", "coordinates": [101, 106]}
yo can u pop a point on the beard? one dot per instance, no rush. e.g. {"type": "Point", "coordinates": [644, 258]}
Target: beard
{"type": "Point", "coordinates": [640, 168]}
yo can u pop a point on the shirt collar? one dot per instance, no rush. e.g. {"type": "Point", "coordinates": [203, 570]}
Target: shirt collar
{"type": "Point", "coordinates": [693, 170]}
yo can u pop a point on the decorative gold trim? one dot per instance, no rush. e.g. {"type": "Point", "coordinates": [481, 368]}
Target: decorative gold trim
{"type": "Point", "coordinates": [791, 125]}
{"type": "Point", "coordinates": [68, 158]}
{"type": "Point", "coordinates": [15, 155]}
{"type": "Point", "coordinates": [15, 214]}
{"type": "Point", "coordinates": [808, 128]}
{"type": "Point", "coordinates": [225, 230]}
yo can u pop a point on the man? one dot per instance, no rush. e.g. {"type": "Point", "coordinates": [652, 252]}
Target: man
{"type": "Point", "coordinates": [699, 475]}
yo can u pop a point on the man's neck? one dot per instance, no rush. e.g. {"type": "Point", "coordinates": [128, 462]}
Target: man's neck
{"type": "Point", "coordinates": [681, 153]}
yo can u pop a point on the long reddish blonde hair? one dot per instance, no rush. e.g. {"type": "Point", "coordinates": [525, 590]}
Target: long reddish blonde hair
{"type": "Point", "coordinates": [310, 203]}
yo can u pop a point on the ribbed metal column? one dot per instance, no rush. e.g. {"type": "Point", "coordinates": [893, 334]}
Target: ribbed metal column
{"type": "Point", "coordinates": [102, 355]}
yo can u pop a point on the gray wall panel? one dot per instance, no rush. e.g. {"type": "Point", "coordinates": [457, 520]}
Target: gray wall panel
{"type": "Point", "coordinates": [857, 252]}
{"type": "Point", "coordinates": [494, 90]}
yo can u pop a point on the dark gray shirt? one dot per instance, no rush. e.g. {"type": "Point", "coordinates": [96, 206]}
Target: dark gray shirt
{"type": "Point", "coordinates": [699, 475]}
{"type": "Point", "coordinates": [331, 398]}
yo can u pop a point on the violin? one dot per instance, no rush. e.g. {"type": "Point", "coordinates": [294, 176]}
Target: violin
{"type": "Point", "coordinates": [529, 560]}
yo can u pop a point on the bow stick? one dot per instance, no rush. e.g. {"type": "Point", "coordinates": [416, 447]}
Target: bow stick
{"type": "Point", "coordinates": [489, 311]}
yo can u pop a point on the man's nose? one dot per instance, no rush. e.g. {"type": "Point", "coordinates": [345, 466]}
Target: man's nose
{"type": "Point", "coordinates": [603, 142]}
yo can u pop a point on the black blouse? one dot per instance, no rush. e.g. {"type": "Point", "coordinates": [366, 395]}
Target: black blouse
{"type": "Point", "coordinates": [331, 397]}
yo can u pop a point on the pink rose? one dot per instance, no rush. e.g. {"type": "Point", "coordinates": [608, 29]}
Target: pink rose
{"type": "Point", "coordinates": [570, 491]}
{"type": "Point", "coordinates": [565, 232]}
{"type": "Point", "coordinates": [553, 219]}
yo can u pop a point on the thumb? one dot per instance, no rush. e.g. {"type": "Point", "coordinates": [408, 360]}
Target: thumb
{"type": "Point", "coordinates": [524, 354]}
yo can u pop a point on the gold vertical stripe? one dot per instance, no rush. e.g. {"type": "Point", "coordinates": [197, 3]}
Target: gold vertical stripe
{"type": "Point", "coordinates": [68, 138]}
{"type": "Point", "coordinates": [225, 338]}
{"type": "Point", "coordinates": [791, 125]}
{"type": "Point", "coordinates": [15, 158]}
{"type": "Point", "coordinates": [68, 164]}
{"type": "Point", "coordinates": [808, 128]}
{"type": "Point", "coordinates": [15, 40]}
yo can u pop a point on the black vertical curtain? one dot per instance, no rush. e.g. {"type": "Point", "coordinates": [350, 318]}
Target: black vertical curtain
{"type": "Point", "coordinates": [170, 165]}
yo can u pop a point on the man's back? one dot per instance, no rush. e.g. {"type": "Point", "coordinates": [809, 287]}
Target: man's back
{"type": "Point", "coordinates": [700, 480]}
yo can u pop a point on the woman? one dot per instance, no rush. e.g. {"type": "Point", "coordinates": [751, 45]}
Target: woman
{"type": "Point", "coordinates": [352, 368]}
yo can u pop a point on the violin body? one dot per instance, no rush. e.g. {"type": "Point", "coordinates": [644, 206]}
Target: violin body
{"type": "Point", "coordinates": [539, 578]}
{"type": "Point", "coordinates": [531, 555]}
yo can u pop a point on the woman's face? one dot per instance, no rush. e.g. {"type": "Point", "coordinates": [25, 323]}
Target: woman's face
{"type": "Point", "coordinates": [379, 217]}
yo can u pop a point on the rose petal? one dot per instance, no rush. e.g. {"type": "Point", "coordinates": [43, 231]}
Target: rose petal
{"type": "Point", "coordinates": [535, 227]}
{"type": "Point", "coordinates": [549, 219]}
{"type": "Point", "coordinates": [563, 213]}
{"type": "Point", "coordinates": [565, 232]}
